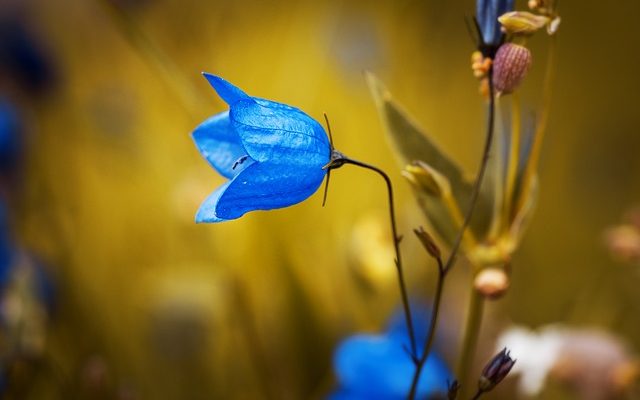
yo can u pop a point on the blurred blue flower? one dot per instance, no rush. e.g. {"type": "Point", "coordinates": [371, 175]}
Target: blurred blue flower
{"type": "Point", "coordinates": [272, 153]}
{"type": "Point", "coordinates": [6, 246]}
{"type": "Point", "coordinates": [487, 13]}
{"type": "Point", "coordinates": [379, 367]}
{"type": "Point", "coordinates": [10, 136]}
{"type": "Point", "coordinates": [23, 58]}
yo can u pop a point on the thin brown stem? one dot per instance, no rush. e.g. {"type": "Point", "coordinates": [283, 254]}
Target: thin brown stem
{"type": "Point", "coordinates": [481, 172]}
{"type": "Point", "coordinates": [444, 269]}
{"type": "Point", "coordinates": [432, 329]}
{"type": "Point", "coordinates": [396, 243]}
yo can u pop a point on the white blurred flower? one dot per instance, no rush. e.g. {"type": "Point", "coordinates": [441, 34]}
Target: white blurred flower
{"type": "Point", "coordinates": [595, 364]}
{"type": "Point", "coordinates": [536, 354]}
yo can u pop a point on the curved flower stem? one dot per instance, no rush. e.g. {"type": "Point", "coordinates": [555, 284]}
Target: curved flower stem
{"type": "Point", "coordinates": [444, 269]}
{"type": "Point", "coordinates": [338, 160]}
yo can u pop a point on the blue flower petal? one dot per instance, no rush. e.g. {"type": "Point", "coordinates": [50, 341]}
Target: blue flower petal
{"type": "Point", "coordinates": [265, 186]}
{"type": "Point", "coordinates": [279, 133]}
{"type": "Point", "coordinates": [207, 210]}
{"type": "Point", "coordinates": [487, 13]}
{"type": "Point", "coordinates": [371, 365]}
{"type": "Point", "coordinates": [228, 92]}
{"type": "Point", "coordinates": [220, 145]}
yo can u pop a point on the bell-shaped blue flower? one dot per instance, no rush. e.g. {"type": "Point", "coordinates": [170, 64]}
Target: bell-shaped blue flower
{"type": "Point", "coordinates": [273, 154]}
{"type": "Point", "coordinates": [487, 13]}
{"type": "Point", "coordinates": [379, 367]}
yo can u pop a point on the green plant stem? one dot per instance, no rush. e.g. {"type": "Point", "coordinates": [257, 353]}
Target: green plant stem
{"type": "Point", "coordinates": [444, 269]}
{"type": "Point", "coordinates": [470, 340]}
{"type": "Point", "coordinates": [514, 161]}
{"type": "Point", "coordinates": [396, 243]}
{"type": "Point", "coordinates": [541, 126]}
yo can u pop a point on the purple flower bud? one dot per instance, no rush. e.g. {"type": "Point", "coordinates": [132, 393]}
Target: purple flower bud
{"type": "Point", "coordinates": [496, 370]}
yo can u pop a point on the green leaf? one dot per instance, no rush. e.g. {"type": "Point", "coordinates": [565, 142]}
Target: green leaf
{"type": "Point", "coordinates": [410, 144]}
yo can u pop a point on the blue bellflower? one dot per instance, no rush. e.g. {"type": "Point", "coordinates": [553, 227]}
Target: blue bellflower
{"type": "Point", "coordinates": [487, 13]}
{"type": "Point", "coordinates": [273, 154]}
{"type": "Point", "coordinates": [378, 367]}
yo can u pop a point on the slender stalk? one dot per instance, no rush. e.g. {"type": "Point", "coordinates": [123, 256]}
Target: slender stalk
{"type": "Point", "coordinates": [470, 340]}
{"type": "Point", "coordinates": [481, 172]}
{"type": "Point", "coordinates": [396, 244]}
{"type": "Point", "coordinates": [432, 328]}
{"type": "Point", "coordinates": [541, 126]}
{"type": "Point", "coordinates": [514, 160]}
{"type": "Point", "coordinates": [444, 269]}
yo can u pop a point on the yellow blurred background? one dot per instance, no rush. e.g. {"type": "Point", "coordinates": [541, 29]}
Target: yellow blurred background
{"type": "Point", "coordinates": [153, 306]}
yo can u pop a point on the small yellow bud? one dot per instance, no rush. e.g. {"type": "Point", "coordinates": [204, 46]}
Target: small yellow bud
{"type": "Point", "coordinates": [522, 22]}
{"type": "Point", "coordinates": [480, 65]}
{"type": "Point", "coordinates": [423, 177]}
{"type": "Point", "coordinates": [476, 57]}
{"type": "Point", "coordinates": [492, 283]}
{"type": "Point", "coordinates": [510, 66]}
{"type": "Point", "coordinates": [533, 4]}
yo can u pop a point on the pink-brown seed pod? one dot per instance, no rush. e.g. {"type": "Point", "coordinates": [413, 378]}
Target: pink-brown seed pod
{"type": "Point", "coordinates": [510, 66]}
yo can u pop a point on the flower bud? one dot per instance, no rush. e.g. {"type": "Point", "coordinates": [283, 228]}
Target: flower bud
{"type": "Point", "coordinates": [424, 178]}
{"type": "Point", "coordinates": [454, 388]}
{"type": "Point", "coordinates": [510, 67]}
{"type": "Point", "coordinates": [495, 371]}
{"type": "Point", "coordinates": [491, 282]}
{"type": "Point", "coordinates": [428, 242]}
{"type": "Point", "coordinates": [522, 22]}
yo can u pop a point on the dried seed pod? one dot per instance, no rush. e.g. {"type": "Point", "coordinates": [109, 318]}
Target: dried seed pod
{"type": "Point", "coordinates": [510, 66]}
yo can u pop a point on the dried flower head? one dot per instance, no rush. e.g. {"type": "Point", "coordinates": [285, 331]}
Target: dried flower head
{"type": "Point", "coordinates": [510, 66]}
